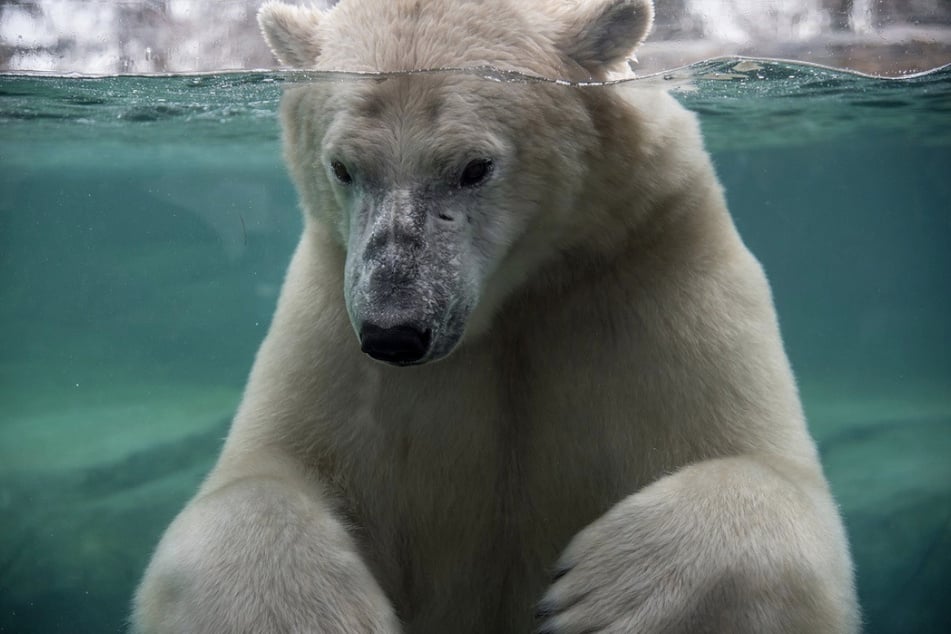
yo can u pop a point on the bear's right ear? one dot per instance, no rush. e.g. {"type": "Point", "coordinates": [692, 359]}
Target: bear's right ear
{"type": "Point", "coordinates": [291, 32]}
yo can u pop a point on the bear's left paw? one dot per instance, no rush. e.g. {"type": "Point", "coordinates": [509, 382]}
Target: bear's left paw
{"type": "Point", "coordinates": [627, 572]}
{"type": "Point", "coordinates": [723, 546]}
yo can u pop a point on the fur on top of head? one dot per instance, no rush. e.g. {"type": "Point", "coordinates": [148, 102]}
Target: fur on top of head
{"type": "Point", "coordinates": [583, 38]}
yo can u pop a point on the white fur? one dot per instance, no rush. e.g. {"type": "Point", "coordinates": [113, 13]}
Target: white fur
{"type": "Point", "coordinates": [620, 411]}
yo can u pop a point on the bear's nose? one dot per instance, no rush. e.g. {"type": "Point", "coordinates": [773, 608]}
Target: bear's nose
{"type": "Point", "coordinates": [401, 344]}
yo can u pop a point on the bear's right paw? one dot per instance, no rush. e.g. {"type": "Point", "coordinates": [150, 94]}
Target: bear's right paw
{"type": "Point", "coordinates": [258, 558]}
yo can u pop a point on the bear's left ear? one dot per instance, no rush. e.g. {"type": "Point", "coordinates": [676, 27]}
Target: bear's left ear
{"type": "Point", "coordinates": [599, 34]}
{"type": "Point", "coordinates": [291, 32]}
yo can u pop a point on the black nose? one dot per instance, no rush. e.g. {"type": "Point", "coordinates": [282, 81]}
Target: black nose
{"type": "Point", "coordinates": [401, 344]}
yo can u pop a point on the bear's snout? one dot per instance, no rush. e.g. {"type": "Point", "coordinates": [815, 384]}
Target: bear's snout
{"type": "Point", "coordinates": [402, 344]}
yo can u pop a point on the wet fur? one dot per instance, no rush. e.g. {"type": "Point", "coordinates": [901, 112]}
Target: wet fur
{"type": "Point", "coordinates": [619, 416]}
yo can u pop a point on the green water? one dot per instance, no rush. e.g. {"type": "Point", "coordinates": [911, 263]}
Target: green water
{"type": "Point", "coordinates": [145, 224]}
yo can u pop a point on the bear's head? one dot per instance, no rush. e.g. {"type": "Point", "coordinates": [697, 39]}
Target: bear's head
{"type": "Point", "coordinates": [444, 190]}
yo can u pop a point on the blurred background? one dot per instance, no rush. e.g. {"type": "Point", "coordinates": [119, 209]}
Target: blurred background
{"type": "Point", "coordinates": [881, 37]}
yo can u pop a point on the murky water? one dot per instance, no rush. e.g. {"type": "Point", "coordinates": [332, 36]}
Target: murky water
{"type": "Point", "coordinates": [146, 222]}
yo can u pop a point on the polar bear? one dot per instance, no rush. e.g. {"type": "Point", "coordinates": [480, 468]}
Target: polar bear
{"type": "Point", "coordinates": [523, 374]}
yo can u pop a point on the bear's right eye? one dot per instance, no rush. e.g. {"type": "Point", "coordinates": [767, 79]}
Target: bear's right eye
{"type": "Point", "coordinates": [340, 172]}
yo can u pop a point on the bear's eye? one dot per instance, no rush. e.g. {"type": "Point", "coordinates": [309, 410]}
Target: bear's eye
{"type": "Point", "coordinates": [340, 172]}
{"type": "Point", "coordinates": [475, 173]}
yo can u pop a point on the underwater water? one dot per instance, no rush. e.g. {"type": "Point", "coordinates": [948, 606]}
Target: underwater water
{"type": "Point", "coordinates": [146, 222]}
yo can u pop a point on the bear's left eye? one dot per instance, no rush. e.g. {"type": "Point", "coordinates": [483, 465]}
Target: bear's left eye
{"type": "Point", "coordinates": [475, 173]}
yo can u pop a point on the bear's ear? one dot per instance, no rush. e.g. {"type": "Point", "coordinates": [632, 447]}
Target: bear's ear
{"type": "Point", "coordinates": [598, 34]}
{"type": "Point", "coordinates": [291, 32]}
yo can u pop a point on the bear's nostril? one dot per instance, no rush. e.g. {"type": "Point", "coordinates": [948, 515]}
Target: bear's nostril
{"type": "Point", "coordinates": [400, 345]}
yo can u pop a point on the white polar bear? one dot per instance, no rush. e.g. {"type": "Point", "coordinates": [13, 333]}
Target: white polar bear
{"type": "Point", "coordinates": [574, 413]}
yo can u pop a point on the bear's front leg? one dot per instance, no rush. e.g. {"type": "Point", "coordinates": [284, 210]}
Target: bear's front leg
{"type": "Point", "coordinates": [259, 555]}
{"type": "Point", "coordinates": [732, 545]}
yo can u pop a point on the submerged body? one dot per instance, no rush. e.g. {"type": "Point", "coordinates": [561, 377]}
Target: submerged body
{"type": "Point", "coordinates": [594, 409]}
